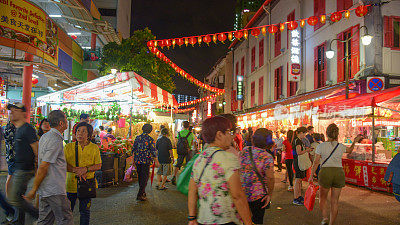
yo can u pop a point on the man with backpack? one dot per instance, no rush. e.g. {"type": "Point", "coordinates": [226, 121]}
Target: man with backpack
{"type": "Point", "coordinates": [184, 144]}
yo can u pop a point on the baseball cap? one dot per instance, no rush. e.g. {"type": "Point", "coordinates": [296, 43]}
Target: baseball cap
{"type": "Point", "coordinates": [17, 105]}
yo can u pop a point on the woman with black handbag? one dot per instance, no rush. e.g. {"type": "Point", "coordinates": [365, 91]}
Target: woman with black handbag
{"type": "Point", "coordinates": [83, 159]}
{"type": "Point", "coordinates": [257, 173]}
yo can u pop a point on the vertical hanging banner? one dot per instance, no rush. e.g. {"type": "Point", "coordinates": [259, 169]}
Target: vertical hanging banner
{"type": "Point", "coordinates": [295, 56]}
{"type": "Point", "coordinates": [24, 22]}
{"type": "Point", "coordinates": [239, 87]}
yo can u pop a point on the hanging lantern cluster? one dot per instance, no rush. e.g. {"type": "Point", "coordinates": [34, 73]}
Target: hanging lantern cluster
{"type": "Point", "coordinates": [197, 101]}
{"type": "Point", "coordinates": [360, 11]}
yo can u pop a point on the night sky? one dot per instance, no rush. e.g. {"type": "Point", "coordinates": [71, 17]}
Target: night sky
{"type": "Point", "coordinates": [179, 18]}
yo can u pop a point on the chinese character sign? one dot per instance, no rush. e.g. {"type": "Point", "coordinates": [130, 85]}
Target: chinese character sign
{"type": "Point", "coordinates": [239, 95]}
{"type": "Point", "coordinates": [295, 55]}
{"type": "Point", "coordinates": [27, 23]}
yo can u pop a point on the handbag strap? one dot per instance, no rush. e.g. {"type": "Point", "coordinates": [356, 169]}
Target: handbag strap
{"type": "Point", "coordinates": [256, 170]}
{"type": "Point", "coordinates": [330, 154]}
{"type": "Point", "coordinates": [76, 154]}
{"type": "Point", "coordinates": [208, 162]}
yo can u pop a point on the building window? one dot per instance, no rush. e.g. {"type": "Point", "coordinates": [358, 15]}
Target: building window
{"type": "Point", "coordinates": [344, 4]}
{"type": "Point", "coordinates": [261, 53]}
{"type": "Point", "coordinates": [392, 32]}
{"type": "Point", "coordinates": [290, 17]}
{"type": "Point", "coordinates": [319, 66]}
{"type": "Point", "coordinates": [253, 93]}
{"type": "Point", "coordinates": [348, 59]}
{"type": "Point", "coordinates": [278, 83]}
{"type": "Point", "coordinates": [242, 66]}
{"type": "Point", "coordinates": [261, 91]}
{"type": "Point", "coordinates": [253, 59]}
{"type": "Point", "coordinates": [278, 45]}
{"type": "Point", "coordinates": [292, 86]}
{"type": "Point", "coordinates": [319, 9]}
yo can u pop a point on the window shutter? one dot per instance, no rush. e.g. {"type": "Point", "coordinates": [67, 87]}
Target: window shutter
{"type": "Point", "coordinates": [253, 59]}
{"type": "Point", "coordinates": [253, 92]}
{"type": "Point", "coordinates": [355, 50]}
{"type": "Point", "coordinates": [347, 4]}
{"type": "Point", "coordinates": [325, 66]}
{"type": "Point", "coordinates": [288, 83]}
{"type": "Point", "coordinates": [340, 56]}
{"type": "Point", "coordinates": [237, 68]}
{"type": "Point", "coordinates": [276, 83]}
{"type": "Point", "coordinates": [261, 91]}
{"type": "Point", "coordinates": [340, 5]}
{"type": "Point", "coordinates": [261, 53]}
{"type": "Point", "coordinates": [279, 82]}
{"type": "Point", "coordinates": [388, 31]}
{"type": "Point", "coordinates": [316, 77]}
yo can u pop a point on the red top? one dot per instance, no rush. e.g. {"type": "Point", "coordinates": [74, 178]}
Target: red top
{"type": "Point", "coordinates": [288, 149]}
{"type": "Point", "coordinates": [239, 141]}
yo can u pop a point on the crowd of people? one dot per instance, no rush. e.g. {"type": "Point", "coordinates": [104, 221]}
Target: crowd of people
{"type": "Point", "coordinates": [62, 173]}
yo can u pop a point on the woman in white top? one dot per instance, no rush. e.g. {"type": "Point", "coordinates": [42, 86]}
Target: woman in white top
{"type": "Point", "coordinates": [331, 176]}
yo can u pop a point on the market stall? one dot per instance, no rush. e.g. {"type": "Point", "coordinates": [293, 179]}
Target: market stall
{"type": "Point", "coordinates": [122, 102]}
{"type": "Point", "coordinates": [376, 116]}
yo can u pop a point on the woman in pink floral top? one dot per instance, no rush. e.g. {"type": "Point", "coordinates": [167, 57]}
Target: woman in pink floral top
{"type": "Point", "coordinates": [258, 196]}
{"type": "Point", "coordinates": [215, 182]}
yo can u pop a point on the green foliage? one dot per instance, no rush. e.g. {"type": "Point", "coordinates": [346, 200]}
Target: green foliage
{"type": "Point", "coordinates": [133, 55]}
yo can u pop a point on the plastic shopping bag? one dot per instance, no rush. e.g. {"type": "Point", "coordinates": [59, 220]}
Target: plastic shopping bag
{"type": "Point", "coordinates": [183, 181]}
{"type": "Point", "coordinates": [309, 198]}
{"type": "Point", "coordinates": [128, 174]}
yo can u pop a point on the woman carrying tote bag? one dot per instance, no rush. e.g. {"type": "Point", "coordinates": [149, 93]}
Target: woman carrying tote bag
{"type": "Point", "coordinates": [331, 176]}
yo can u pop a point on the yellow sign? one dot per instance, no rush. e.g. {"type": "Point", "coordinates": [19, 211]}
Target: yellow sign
{"type": "Point", "coordinates": [25, 18]}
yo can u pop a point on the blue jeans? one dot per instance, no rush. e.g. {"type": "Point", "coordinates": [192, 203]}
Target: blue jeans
{"type": "Point", "coordinates": [19, 184]}
{"type": "Point", "coordinates": [84, 207]}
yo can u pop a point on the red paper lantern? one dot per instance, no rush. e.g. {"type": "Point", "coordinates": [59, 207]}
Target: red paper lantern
{"type": "Point", "coordinates": [255, 32]}
{"type": "Point", "coordinates": [167, 43]}
{"type": "Point", "coordinates": [323, 19]}
{"type": "Point", "coordinates": [192, 41]}
{"type": "Point", "coordinates": [272, 29]}
{"type": "Point", "coordinates": [347, 14]}
{"type": "Point", "coordinates": [361, 10]}
{"type": "Point", "coordinates": [74, 36]}
{"type": "Point", "coordinates": [180, 42]}
{"type": "Point", "coordinates": [221, 37]}
{"type": "Point", "coordinates": [335, 17]}
{"type": "Point", "coordinates": [238, 34]}
{"type": "Point", "coordinates": [186, 41]}
{"type": "Point", "coordinates": [264, 30]}
{"type": "Point", "coordinates": [215, 38]}
{"type": "Point", "coordinates": [35, 81]}
{"type": "Point", "coordinates": [150, 44]}
{"type": "Point", "coordinates": [312, 21]}
{"type": "Point", "coordinates": [292, 25]}
{"type": "Point", "coordinates": [173, 43]}
{"type": "Point", "coordinates": [207, 39]}
{"type": "Point", "coordinates": [230, 36]}
{"type": "Point", "coordinates": [245, 34]}
{"type": "Point", "coordinates": [153, 50]}
{"type": "Point", "coordinates": [302, 23]}
{"type": "Point", "coordinates": [199, 40]}
{"type": "Point", "coordinates": [282, 27]}
{"type": "Point", "coordinates": [161, 44]}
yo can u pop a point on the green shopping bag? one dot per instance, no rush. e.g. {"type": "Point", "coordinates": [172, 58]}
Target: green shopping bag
{"type": "Point", "coordinates": [183, 181]}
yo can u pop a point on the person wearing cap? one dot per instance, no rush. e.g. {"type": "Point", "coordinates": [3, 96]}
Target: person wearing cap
{"type": "Point", "coordinates": [145, 153]}
{"type": "Point", "coordinates": [26, 152]}
{"type": "Point", "coordinates": [82, 118]}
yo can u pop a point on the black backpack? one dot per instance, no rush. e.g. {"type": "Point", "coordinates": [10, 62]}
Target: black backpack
{"type": "Point", "coordinates": [182, 147]}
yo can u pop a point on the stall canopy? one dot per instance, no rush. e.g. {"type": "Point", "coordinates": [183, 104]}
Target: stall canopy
{"type": "Point", "coordinates": [391, 95]}
{"type": "Point", "coordinates": [122, 87]}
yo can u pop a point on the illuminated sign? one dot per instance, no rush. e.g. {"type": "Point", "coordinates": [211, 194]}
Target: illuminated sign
{"type": "Point", "coordinates": [295, 55]}
{"type": "Point", "coordinates": [209, 109]}
{"type": "Point", "coordinates": [239, 95]}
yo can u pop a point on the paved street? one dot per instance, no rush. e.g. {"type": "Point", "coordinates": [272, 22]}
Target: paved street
{"type": "Point", "coordinates": [118, 205]}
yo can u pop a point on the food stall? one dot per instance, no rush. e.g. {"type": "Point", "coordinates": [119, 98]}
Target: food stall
{"type": "Point", "coordinates": [122, 101]}
{"type": "Point", "coordinates": [376, 116]}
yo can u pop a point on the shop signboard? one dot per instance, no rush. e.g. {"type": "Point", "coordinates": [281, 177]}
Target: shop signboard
{"type": "Point", "coordinates": [295, 55]}
{"type": "Point", "coordinates": [375, 84]}
{"type": "Point", "coordinates": [239, 87]}
{"type": "Point", "coordinates": [26, 24]}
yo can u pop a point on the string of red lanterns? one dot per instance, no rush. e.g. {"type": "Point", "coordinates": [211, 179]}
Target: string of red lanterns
{"type": "Point", "coordinates": [360, 11]}
{"type": "Point", "coordinates": [178, 110]}
{"type": "Point", "coordinates": [199, 100]}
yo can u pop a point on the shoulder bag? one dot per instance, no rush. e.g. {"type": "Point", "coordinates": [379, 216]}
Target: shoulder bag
{"type": "Point", "coordinates": [258, 173]}
{"type": "Point", "coordinates": [303, 161]}
{"type": "Point", "coordinates": [330, 154]}
{"type": "Point", "coordinates": [86, 188]}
